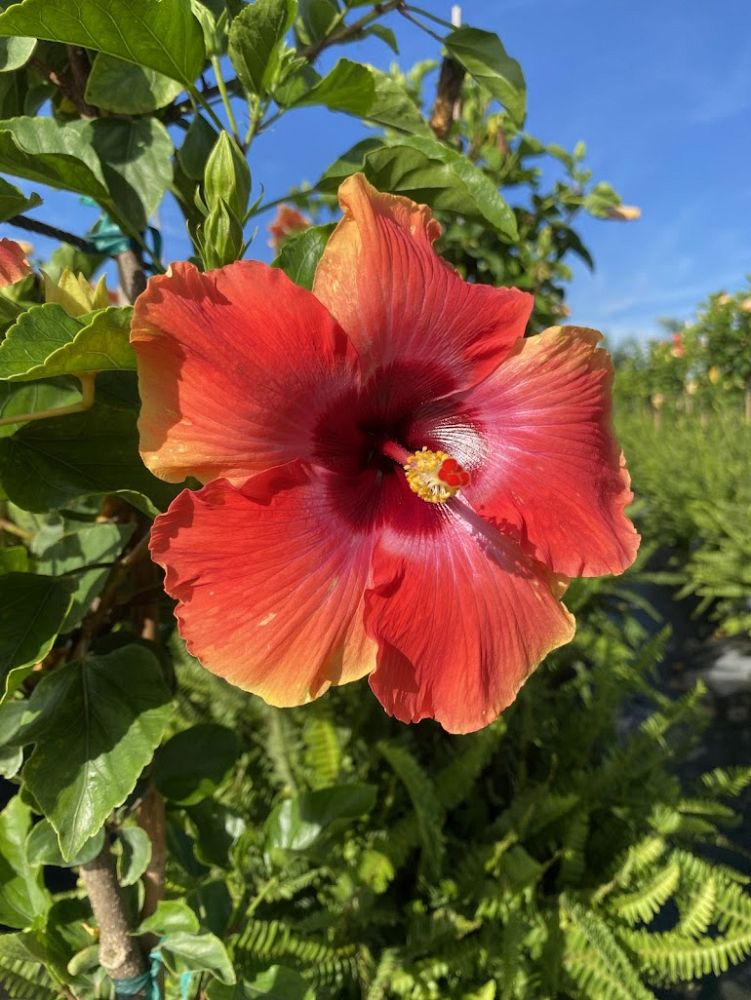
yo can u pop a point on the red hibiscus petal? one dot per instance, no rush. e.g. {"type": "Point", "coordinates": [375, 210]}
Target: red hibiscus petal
{"type": "Point", "coordinates": [270, 589]}
{"type": "Point", "coordinates": [397, 300]}
{"type": "Point", "coordinates": [13, 263]}
{"type": "Point", "coordinates": [234, 365]}
{"type": "Point", "coordinates": [551, 465]}
{"type": "Point", "coordinates": [462, 618]}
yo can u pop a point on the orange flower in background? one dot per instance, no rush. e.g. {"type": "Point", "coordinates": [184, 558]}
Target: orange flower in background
{"type": "Point", "coordinates": [287, 221]}
{"type": "Point", "coordinates": [13, 263]}
{"type": "Point", "coordinates": [677, 350]}
{"type": "Point", "coordinates": [398, 484]}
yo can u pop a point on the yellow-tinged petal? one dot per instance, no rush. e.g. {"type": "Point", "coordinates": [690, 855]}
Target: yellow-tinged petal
{"type": "Point", "coordinates": [75, 293]}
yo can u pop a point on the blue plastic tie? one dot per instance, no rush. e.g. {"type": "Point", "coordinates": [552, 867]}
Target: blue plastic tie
{"type": "Point", "coordinates": [147, 982]}
{"type": "Point", "coordinates": [185, 980]}
{"type": "Point", "coordinates": [106, 237]}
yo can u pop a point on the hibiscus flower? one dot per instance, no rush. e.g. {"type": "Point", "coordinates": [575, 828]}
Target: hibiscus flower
{"type": "Point", "coordinates": [398, 484]}
{"type": "Point", "coordinates": [288, 220]}
{"type": "Point", "coordinates": [13, 262]}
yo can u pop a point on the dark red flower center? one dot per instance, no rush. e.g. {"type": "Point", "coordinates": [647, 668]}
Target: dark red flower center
{"type": "Point", "coordinates": [384, 452]}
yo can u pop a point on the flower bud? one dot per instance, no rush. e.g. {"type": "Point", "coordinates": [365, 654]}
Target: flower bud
{"type": "Point", "coordinates": [227, 177]}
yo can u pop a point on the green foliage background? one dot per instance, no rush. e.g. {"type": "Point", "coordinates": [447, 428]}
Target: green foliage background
{"type": "Point", "coordinates": [326, 851]}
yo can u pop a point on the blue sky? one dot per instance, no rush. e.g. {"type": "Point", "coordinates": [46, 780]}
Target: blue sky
{"type": "Point", "coordinates": [660, 91]}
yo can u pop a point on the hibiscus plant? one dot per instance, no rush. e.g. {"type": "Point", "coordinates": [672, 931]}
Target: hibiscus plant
{"type": "Point", "coordinates": [229, 489]}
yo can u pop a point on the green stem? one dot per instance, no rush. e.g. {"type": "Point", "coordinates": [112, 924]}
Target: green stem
{"type": "Point", "coordinates": [352, 30]}
{"type": "Point", "coordinates": [262, 893]}
{"type": "Point", "coordinates": [257, 111]}
{"type": "Point", "coordinates": [87, 401]}
{"type": "Point", "coordinates": [197, 98]}
{"type": "Point", "coordinates": [431, 17]}
{"type": "Point", "coordinates": [423, 27]}
{"type": "Point", "coordinates": [216, 66]}
{"type": "Point", "coordinates": [270, 204]}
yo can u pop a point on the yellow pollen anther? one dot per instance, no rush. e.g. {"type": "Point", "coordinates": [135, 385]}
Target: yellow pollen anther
{"type": "Point", "coordinates": [434, 476]}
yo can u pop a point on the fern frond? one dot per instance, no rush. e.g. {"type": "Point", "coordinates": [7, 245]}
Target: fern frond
{"type": "Point", "coordinates": [641, 856]}
{"type": "Point", "coordinates": [26, 981]}
{"type": "Point", "coordinates": [644, 903]}
{"type": "Point", "coordinates": [282, 748]}
{"type": "Point", "coordinates": [595, 961]}
{"type": "Point", "coordinates": [323, 754]}
{"type": "Point", "coordinates": [428, 810]}
{"type": "Point", "coordinates": [264, 940]}
{"type": "Point", "coordinates": [674, 958]}
{"type": "Point", "coordinates": [573, 860]}
{"type": "Point", "coordinates": [727, 782]}
{"type": "Point", "coordinates": [457, 779]}
{"type": "Point", "coordinates": [698, 910]}
{"type": "Point", "coordinates": [708, 807]}
{"type": "Point", "coordinates": [512, 939]}
{"type": "Point", "coordinates": [697, 869]}
{"type": "Point", "coordinates": [387, 964]}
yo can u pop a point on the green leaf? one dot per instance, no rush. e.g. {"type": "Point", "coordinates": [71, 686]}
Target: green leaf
{"type": "Point", "coordinates": [316, 18]}
{"type": "Point", "coordinates": [95, 726]}
{"type": "Point", "coordinates": [194, 152]}
{"type": "Point", "coordinates": [45, 342]}
{"type": "Point", "coordinates": [349, 87]}
{"type": "Point", "coordinates": [17, 399]}
{"type": "Point", "coordinates": [135, 854]}
{"type": "Point", "coordinates": [300, 253]}
{"type": "Point", "coordinates": [297, 823]}
{"type": "Point", "coordinates": [348, 163]}
{"type": "Point", "coordinates": [22, 894]}
{"type": "Point", "coordinates": [483, 56]}
{"type": "Point", "coordinates": [255, 42]}
{"type": "Point", "coordinates": [163, 36]}
{"type": "Point", "coordinates": [42, 847]}
{"type": "Point", "coordinates": [275, 983]}
{"type": "Point", "coordinates": [136, 159]}
{"type": "Point", "coordinates": [128, 89]}
{"type": "Point", "coordinates": [426, 170]}
{"type": "Point", "coordinates": [15, 53]}
{"type": "Point", "coordinates": [75, 260]}
{"type": "Point", "coordinates": [386, 35]}
{"type": "Point", "coordinates": [217, 829]}
{"type": "Point", "coordinates": [91, 543]}
{"type": "Point", "coordinates": [60, 155]}
{"type": "Point", "coordinates": [13, 201]}
{"type": "Point", "coordinates": [393, 106]}
{"type": "Point", "coordinates": [355, 89]}
{"type": "Point", "coordinates": [191, 764]}
{"type": "Point", "coordinates": [200, 953]}
{"type": "Point", "coordinates": [14, 559]}
{"type": "Point", "coordinates": [32, 611]}
{"type": "Point", "coordinates": [11, 759]}
{"type": "Point", "coordinates": [52, 462]}
{"type": "Point", "coordinates": [170, 917]}
{"type": "Point", "coordinates": [278, 982]}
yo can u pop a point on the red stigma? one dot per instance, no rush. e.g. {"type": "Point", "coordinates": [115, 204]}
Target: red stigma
{"type": "Point", "coordinates": [453, 474]}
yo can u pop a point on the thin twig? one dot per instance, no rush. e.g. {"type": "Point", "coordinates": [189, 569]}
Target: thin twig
{"type": "Point", "coordinates": [80, 67]}
{"type": "Point", "coordinates": [13, 529]}
{"type": "Point", "coordinates": [151, 817]}
{"type": "Point", "coordinates": [96, 618]}
{"type": "Point", "coordinates": [44, 229]}
{"type": "Point", "coordinates": [310, 53]}
{"type": "Point", "coordinates": [351, 31]}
